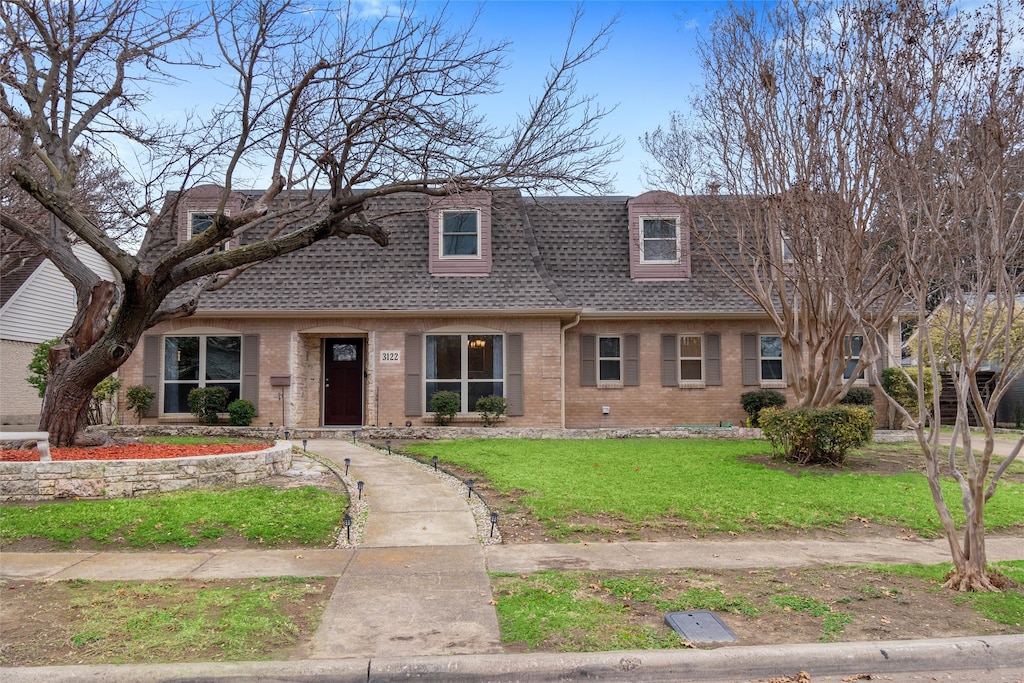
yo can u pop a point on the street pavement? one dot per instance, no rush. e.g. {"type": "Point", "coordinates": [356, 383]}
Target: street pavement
{"type": "Point", "coordinates": [413, 600]}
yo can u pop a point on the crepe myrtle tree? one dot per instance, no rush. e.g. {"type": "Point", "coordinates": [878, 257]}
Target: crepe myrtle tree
{"type": "Point", "coordinates": [303, 96]}
{"type": "Point", "coordinates": [783, 138]}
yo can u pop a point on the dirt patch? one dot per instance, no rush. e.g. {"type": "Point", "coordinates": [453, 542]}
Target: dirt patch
{"type": "Point", "coordinates": [51, 623]}
{"type": "Point", "coordinates": [779, 606]}
{"type": "Point", "coordinates": [134, 451]}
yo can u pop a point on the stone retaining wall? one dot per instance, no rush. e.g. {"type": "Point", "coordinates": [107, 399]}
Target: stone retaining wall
{"type": "Point", "coordinates": [34, 481]}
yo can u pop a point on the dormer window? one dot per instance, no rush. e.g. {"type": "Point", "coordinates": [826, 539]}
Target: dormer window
{"type": "Point", "coordinates": [460, 234]}
{"type": "Point", "coordinates": [198, 223]}
{"type": "Point", "coordinates": [659, 242]}
{"type": "Point", "coordinates": [659, 237]}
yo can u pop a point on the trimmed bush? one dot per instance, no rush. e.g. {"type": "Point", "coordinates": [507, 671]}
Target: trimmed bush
{"type": "Point", "coordinates": [241, 413]}
{"type": "Point", "coordinates": [754, 402]}
{"type": "Point", "coordinates": [207, 403]}
{"type": "Point", "coordinates": [858, 396]}
{"type": "Point", "coordinates": [138, 399]}
{"type": "Point", "coordinates": [901, 385]}
{"type": "Point", "coordinates": [491, 408]}
{"type": "Point", "coordinates": [445, 405]}
{"type": "Point", "coordinates": [809, 436]}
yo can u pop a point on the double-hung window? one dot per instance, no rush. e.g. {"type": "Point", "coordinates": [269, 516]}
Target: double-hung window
{"type": "Point", "coordinates": [200, 361]}
{"type": "Point", "coordinates": [659, 239]}
{"type": "Point", "coordinates": [691, 358]}
{"type": "Point", "coordinates": [471, 365]}
{"type": "Point", "coordinates": [771, 358]}
{"type": "Point", "coordinates": [198, 223]}
{"type": "Point", "coordinates": [609, 359]}
{"type": "Point", "coordinates": [851, 353]}
{"type": "Point", "coordinates": [460, 234]}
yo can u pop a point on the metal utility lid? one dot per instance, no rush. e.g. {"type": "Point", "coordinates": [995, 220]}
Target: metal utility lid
{"type": "Point", "coordinates": [700, 626]}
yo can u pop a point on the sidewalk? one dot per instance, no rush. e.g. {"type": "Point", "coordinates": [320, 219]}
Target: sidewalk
{"type": "Point", "coordinates": [415, 593]}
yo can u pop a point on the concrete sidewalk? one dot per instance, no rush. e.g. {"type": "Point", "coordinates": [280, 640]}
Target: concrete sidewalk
{"type": "Point", "coordinates": [413, 599]}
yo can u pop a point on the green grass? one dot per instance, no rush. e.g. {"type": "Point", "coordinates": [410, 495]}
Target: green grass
{"type": "Point", "coordinates": [704, 482]}
{"type": "Point", "coordinates": [120, 622]}
{"type": "Point", "coordinates": [306, 516]}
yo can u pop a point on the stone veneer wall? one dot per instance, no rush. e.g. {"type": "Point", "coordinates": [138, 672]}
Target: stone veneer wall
{"type": "Point", "coordinates": [34, 481]}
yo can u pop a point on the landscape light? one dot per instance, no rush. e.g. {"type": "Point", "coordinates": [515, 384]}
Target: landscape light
{"type": "Point", "coordinates": [354, 432]}
{"type": "Point", "coordinates": [348, 528]}
{"type": "Point", "coordinates": [388, 443]}
{"type": "Point", "coordinates": [287, 435]}
{"type": "Point", "coordinates": [494, 521]}
{"type": "Point", "coordinates": [408, 423]}
{"type": "Point", "coordinates": [359, 485]}
{"type": "Point", "coordinates": [348, 461]}
{"type": "Point", "coordinates": [434, 460]}
{"type": "Point", "coordinates": [469, 485]}
{"type": "Point", "coordinates": [304, 445]}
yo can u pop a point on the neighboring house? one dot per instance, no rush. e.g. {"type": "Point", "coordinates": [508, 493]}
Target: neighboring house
{"type": "Point", "coordinates": [37, 304]}
{"type": "Point", "coordinates": [582, 312]}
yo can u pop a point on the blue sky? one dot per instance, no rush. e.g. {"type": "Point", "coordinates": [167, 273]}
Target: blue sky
{"type": "Point", "coordinates": [648, 70]}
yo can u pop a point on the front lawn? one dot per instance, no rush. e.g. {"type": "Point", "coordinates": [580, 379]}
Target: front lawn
{"type": "Point", "coordinates": [710, 485]}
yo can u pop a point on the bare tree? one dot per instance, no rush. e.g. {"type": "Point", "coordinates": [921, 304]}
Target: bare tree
{"type": "Point", "coordinates": [311, 98]}
{"type": "Point", "coordinates": [955, 138]}
{"type": "Point", "coordinates": [786, 127]}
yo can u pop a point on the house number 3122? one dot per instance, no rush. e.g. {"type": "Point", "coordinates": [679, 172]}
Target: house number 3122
{"type": "Point", "coordinates": [390, 357]}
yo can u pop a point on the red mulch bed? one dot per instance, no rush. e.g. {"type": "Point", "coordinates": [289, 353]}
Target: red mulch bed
{"type": "Point", "coordinates": [135, 451]}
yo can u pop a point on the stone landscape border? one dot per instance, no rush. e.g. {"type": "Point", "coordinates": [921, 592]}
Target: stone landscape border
{"type": "Point", "coordinates": [99, 479]}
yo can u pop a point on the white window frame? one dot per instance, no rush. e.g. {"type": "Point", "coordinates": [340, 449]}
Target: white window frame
{"type": "Point", "coordinates": [223, 246]}
{"type": "Point", "coordinates": [464, 380]}
{"type": "Point", "coordinates": [691, 383]}
{"type": "Point", "coordinates": [769, 382]}
{"type": "Point", "coordinates": [787, 249]}
{"type": "Point", "coordinates": [849, 357]}
{"type": "Point", "coordinates": [200, 380]}
{"type": "Point", "coordinates": [479, 237]}
{"type": "Point", "coordinates": [618, 359]}
{"type": "Point", "coordinates": [677, 220]}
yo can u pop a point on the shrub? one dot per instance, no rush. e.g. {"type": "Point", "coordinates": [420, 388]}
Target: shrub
{"type": "Point", "coordinates": [491, 408]}
{"type": "Point", "coordinates": [39, 366]}
{"type": "Point", "coordinates": [103, 395]}
{"type": "Point", "coordinates": [754, 402]}
{"type": "Point", "coordinates": [809, 436]}
{"type": "Point", "coordinates": [901, 385]}
{"type": "Point", "coordinates": [207, 403]}
{"type": "Point", "coordinates": [445, 405]}
{"type": "Point", "coordinates": [138, 399]}
{"type": "Point", "coordinates": [858, 396]}
{"type": "Point", "coordinates": [241, 412]}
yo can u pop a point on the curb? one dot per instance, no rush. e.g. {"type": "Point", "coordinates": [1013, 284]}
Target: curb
{"type": "Point", "coordinates": [722, 664]}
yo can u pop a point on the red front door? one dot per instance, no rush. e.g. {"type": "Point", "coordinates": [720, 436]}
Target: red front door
{"type": "Point", "coordinates": [343, 381]}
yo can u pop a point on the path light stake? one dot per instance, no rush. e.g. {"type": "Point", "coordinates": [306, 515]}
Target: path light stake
{"type": "Point", "coordinates": [348, 461]}
{"type": "Point", "coordinates": [388, 442]}
{"type": "Point", "coordinates": [348, 528]}
{"type": "Point", "coordinates": [494, 520]}
{"type": "Point", "coordinates": [359, 485]}
{"type": "Point", "coordinates": [304, 445]}
{"type": "Point", "coordinates": [287, 435]}
{"type": "Point", "coordinates": [434, 460]}
{"type": "Point", "coordinates": [469, 484]}
{"type": "Point", "coordinates": [354, 432]}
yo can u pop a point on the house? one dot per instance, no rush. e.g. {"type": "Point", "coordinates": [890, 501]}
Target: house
{"type": "Point", "coordinates": [37, 303]}
{"type": "Point", "coordinates": [583, 312]}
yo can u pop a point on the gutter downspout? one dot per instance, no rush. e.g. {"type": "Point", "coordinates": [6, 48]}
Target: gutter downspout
{"type": "Point", "coordinates": [561, 360]}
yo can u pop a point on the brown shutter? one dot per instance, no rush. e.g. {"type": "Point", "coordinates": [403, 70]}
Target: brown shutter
{"type": "Point", "coordinates": [713, 360]}
{"type": "Point", "coordinates": [669, 361]}
{"type": "Point", "coordinates": [631, 360]}
{"type": "Point", "coordinates": [151, 370]}
{"type": "Point", "coordinates": [250, 390]}
{"type": "Point", "coordinates": [588, 360]}
{"type": "Point", "coordinates": [514, 387]}
{"type": "Point", "coordinates": [751, 360]}
{"type": "Point", "coordinates": [413, 375]}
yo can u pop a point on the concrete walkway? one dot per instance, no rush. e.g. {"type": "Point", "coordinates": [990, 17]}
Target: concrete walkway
{"type": "Point", "coordinates": [417, 586]}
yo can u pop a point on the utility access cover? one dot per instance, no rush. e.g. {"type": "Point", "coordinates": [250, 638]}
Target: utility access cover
{"type": "Point", "coordinates": [700, 626]}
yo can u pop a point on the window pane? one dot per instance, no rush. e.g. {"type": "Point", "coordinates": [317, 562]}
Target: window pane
{"type": "Point", "coordinates": [234, 389]}
{"type": "Point", "coordinates": [610, 370]}
{"type": "Point", "coordinates": [444, 356]}
{"type": "Point", "coordinates": [660, 250]}
{"type": "Point", "coordinates": [176, 397]}
{"type": "Point", "coordinates": [660, 227]}
{"type": "Point", "coordinates": [689, 347]}
{"type": "Point", "coordinates": [434, 387]}
{"type": "Point", "coordinates": [851, 365]}
{"type": "Point", "coordinates": [201, 222]}
{"type": "Point", "coordinates": [854, 345]}
{"type": "Point", "coordinates": [771, 369]}
{"type": "Point", "coordinates": [223, 358]}
{"type": "Point", "coordinates": [771, 347]}
{"type": "Point", "coordinates": [484, 356]}
{"type": "Point", "coordinates": [478, 390]}
{"type": "Point", "coordinates": [459, 230]}
{"type": "Point", "coordinates": [689, 370]}
{"type": "Point", "coordinates": [609, 347]}
{"type": "Point", "coordinates": [181, 358]}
